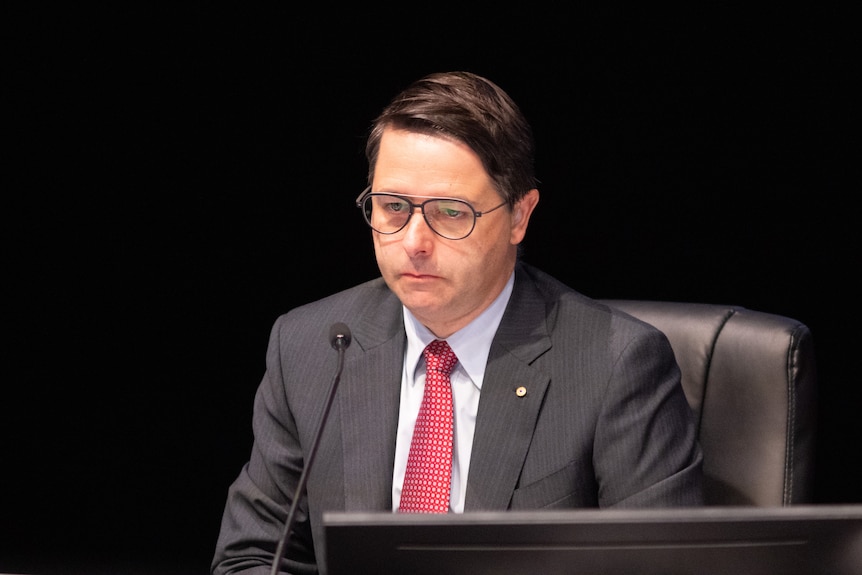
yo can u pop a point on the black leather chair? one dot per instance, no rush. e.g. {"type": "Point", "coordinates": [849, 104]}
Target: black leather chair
{"type": "Point", "coordinates": [751, 381]}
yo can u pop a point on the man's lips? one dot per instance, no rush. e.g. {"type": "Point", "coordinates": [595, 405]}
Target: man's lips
{"type": "Point", "coordinates": [418, 276]}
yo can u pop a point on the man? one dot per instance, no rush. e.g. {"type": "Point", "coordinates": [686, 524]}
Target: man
{"type": "Point", "coordinates": [559, 401]}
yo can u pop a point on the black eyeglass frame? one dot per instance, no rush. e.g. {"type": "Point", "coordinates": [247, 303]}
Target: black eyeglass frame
{"type": "Point", "coordinates": [367, 193]}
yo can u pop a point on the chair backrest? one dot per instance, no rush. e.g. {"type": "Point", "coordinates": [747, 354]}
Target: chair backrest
{"type": "Point", "coordinates": [751, 381]}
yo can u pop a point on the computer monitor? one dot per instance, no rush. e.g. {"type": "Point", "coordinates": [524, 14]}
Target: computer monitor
{"type": "Point", "coordinates": [704, 541]}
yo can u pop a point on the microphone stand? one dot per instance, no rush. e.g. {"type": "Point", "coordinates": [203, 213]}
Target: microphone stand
{"type": "Point", "coordinates": [340, 338]}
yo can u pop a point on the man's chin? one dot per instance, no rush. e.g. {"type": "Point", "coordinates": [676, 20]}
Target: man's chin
{"type": "Point", "coordinates": [422, 302]}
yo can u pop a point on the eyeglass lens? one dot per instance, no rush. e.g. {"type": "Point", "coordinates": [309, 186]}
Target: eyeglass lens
{"type": "Point", "coordinates": [388, 214]}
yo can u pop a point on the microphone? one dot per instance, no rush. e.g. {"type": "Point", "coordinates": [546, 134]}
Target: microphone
{"type": "Point", "coordinates": [339, 338]}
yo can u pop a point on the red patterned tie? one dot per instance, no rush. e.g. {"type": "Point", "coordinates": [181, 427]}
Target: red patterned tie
{"type": "Point", "coordinates": [429, 465]}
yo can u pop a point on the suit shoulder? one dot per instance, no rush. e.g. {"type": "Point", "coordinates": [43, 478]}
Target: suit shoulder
{"type": "Point", "coordinates": [340, 306]}
{"type": "Point", "coordinates": [570, 304]}
{"type": "Point", "coordinates": [557, 293]}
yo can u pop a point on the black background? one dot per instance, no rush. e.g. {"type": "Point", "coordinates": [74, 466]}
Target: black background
{"type": "Point", "coordinates": [179, 176]}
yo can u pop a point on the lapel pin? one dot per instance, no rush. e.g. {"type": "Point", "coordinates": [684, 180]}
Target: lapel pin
{"type": "Point", "coordinates": [521, 391]}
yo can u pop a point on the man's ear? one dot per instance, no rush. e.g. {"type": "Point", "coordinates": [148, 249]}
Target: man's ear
{"type": "Point", "coordinates": [521, 215]}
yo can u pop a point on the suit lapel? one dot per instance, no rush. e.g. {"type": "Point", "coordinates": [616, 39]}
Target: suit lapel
{"type": "Point", "coordinates": [369, 402]}
{"type": "Point", "coordinates": [512, 394]}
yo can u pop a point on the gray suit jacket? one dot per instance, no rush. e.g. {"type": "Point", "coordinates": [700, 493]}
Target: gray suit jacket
{"type": "Point", "coordinates": [604, 421]}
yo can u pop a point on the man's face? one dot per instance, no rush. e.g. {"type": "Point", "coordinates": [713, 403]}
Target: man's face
{"type": "Point", "coordinates": [445, 283]}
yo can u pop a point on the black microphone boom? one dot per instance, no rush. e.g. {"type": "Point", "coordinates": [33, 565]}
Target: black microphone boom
{"type": "Point", "coordinates": [339, 338]}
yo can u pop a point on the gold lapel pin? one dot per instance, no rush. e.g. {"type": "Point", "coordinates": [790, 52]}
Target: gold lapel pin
{"type": "Point", "coordinates": [521, 391]}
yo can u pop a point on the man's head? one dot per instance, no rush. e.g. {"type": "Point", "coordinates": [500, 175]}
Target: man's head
{"type": "Point", "coordinates": [475, 111]}
{"type": "Point", "coordinates": [458, 137]}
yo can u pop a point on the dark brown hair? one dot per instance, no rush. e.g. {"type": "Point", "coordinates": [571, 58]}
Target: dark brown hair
{"type": "Point", "coordinates": [472, 110]}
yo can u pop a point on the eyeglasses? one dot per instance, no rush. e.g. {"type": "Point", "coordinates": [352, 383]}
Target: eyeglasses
{"type": "Point", "coordinates": [447, 217]}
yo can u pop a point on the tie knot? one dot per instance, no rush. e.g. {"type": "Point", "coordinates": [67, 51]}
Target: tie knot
{"type": "Point", "coordinates": [440, 357]}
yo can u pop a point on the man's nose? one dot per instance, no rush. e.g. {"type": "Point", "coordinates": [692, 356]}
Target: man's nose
{"type": "Point", "coordinates": [417, 232]}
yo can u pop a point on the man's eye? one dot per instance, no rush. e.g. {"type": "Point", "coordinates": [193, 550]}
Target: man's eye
{"type": "Point", "coordinates": [395, 207]}
{"type": "Point", "coordinates": [450, 210]}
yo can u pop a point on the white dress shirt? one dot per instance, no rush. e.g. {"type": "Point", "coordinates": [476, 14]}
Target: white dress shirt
{"type": "Point", "coordinates": [471, 345]}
